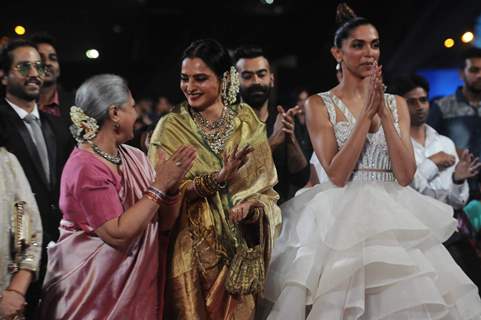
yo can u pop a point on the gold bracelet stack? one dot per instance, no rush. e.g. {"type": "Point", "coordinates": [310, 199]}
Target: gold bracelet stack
{"type": "Point", "coordinates": [207, 185]}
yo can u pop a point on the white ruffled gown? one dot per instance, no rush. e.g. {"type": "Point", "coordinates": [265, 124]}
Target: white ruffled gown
{"type": "Point", "coordinates": [369, 250]}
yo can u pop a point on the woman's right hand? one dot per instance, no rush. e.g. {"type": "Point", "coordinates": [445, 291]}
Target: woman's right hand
{"type": "Point", "coordinates": [11, 303]}
{"type": "Point", "coordinates": [233, 161]}
{"type": "Point", "coordinates": [169, 172]}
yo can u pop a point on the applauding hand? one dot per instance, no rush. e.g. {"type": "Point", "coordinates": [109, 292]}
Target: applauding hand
{"type": "Point", "coordinates": [169, 172]}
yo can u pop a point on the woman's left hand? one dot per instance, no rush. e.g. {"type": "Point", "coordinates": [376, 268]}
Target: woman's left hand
{"type": "Point", "coordinates": [242, 210]}
{"type": "Point", "coordinates": [11, 303]}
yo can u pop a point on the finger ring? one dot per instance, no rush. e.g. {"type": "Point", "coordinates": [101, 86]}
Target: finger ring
{"type": "Point", "coordinates": [178, 163]}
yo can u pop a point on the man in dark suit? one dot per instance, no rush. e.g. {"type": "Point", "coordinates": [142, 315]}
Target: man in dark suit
{"type": "Point", "coordinates": [39, 141]}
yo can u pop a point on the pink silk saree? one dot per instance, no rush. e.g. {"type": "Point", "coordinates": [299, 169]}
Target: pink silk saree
{"type": "Point", "coordinates": [88, 279]}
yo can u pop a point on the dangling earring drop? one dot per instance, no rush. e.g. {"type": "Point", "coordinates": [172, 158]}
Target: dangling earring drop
{"type": "Point", "coordinates": [338, 66]}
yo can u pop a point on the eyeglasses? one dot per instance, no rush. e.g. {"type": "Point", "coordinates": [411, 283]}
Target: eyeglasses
{"type": "Point", "coordinates": [422, 100]}
{"type": "Point", "coordinates": [24, 68]}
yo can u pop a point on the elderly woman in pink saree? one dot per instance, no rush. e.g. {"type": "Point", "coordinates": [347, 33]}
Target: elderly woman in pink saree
{"type": "Point", "coordinates": [109, 262]}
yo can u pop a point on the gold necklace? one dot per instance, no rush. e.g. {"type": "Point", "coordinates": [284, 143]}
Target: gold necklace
{"type": "Point", "coordinates": [219, 130]}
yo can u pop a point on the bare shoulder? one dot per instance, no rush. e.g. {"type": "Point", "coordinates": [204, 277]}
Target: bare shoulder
{"type": "Point", "coordinates": [315, 106]}
{"type": "Point", "coordinates": [314, 101]}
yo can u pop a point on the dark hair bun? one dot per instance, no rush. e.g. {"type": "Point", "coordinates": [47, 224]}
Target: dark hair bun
{"type": "Point", "coordinates": [344, 14]}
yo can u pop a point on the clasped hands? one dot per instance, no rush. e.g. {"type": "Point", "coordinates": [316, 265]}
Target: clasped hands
{"type": "Point", "coordinates": [375, 103]}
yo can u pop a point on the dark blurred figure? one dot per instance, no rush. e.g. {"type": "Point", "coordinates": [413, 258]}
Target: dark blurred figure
{"type": "Point", "coordinates": [458, 116]}
{"type": "Point", "coordinates": [161, 107]}
{"type": "Point", "coordinates": [300, 124]}
{"type": "Point", "coordinates": [143, 124]}
{"type": "Point", "coordinates": [53, 98]}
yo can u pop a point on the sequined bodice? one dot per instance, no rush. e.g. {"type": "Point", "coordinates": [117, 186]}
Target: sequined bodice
{"type": "Point", "coordinates": [374, 163]}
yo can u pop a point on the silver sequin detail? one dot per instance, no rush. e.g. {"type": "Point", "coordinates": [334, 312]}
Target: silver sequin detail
{"type": "Point", "coordinates": [375, 154]}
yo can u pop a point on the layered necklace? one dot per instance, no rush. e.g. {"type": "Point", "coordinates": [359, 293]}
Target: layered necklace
{"type": "Point", "coordinates": [112, 158]}
{"type": "Point", "coordinates": [216, 132]}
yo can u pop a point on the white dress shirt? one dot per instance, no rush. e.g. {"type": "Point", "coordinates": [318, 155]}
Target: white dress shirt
{"type": "Point", "coordinates": [22, 114]}
{"type": "Point", "coordinates": [429, 180]}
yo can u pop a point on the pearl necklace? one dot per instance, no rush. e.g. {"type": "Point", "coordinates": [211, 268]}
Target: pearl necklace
{"type": "Point", "coordinates": [113, 158]}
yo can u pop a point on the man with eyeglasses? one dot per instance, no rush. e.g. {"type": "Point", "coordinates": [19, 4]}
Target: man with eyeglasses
{"type": "Point", "coordinates": [53, 98]}
{"type": "Point", "coordinates": [39, 141]}
{"type": "Point", "coordinates": [440, 173]}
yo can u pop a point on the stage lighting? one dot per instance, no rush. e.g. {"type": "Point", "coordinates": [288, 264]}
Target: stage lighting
{"type": "Point", "coordinates": [92, 54]}
{"type": "Point", "coordinates": [449, 43]}
{"type": "Point", "coordinates": [20, 30]}
{"type": "Point", "coordinates": [467, 37]}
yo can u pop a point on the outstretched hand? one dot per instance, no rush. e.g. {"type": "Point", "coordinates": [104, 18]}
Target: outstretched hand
{"type": "Point", "coordinates": [233, 161]}
{"type": "Point", "coordinates": [467, 167]}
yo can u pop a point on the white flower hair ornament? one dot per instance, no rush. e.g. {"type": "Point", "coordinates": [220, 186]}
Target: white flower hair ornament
{"type": "Point", "coordinates": [84, 128]}
{"type": "Point", "coordinates": [230, 86]}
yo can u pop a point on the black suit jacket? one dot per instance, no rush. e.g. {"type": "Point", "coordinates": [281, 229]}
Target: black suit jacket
{"type": "Point", "coordinates": [59, 142]}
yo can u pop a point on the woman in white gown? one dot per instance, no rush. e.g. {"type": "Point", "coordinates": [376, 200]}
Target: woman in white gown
{"type": "Point", "coordinates": [363, 245]}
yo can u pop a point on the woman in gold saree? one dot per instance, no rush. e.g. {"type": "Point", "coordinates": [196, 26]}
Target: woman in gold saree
{"type": "Point", "coordinates": [229, 218]}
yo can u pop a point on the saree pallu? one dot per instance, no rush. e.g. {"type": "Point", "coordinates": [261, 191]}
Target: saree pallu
{"type": "Point", "coordinates": [205, 240]}
{"type": "Point", "coordinates": [88, 279]}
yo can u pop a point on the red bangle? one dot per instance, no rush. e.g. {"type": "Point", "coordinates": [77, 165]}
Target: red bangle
{"type": "Point", "coordinates": [153, 198]}
{"type": "Point", "coordinates": [159, 200]}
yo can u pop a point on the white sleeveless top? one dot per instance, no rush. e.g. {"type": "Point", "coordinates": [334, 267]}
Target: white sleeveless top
{"type": "Point", "coordinates": [374, 163]}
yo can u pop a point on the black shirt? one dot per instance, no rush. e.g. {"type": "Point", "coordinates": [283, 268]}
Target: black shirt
{"type": "Point", "coordinates": [288, 183]}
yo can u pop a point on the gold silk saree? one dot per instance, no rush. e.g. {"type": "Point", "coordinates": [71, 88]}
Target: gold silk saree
{"type": "Point", "coordinates": [205, 242]}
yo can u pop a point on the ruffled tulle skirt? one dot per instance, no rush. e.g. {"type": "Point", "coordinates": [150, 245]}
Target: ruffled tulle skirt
{"type": "Point", "coordinates": [367, 251]}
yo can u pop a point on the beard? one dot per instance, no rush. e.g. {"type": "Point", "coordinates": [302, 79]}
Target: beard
{"type": "Point", "coordinates": [255, 95]}
{"type": "Point", "coordinates": [418, 119]}
{"type": "Point", "coordinates": [19, 91]}
{"type": "Point", "coordinates": [474, 87]}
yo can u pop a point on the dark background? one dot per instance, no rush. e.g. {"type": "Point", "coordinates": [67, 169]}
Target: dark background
{"type": "Point", "coordinates": [142, 40]}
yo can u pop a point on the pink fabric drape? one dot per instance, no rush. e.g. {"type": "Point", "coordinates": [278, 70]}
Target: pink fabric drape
{"type": "Point", "coordinates": [88, 279]}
